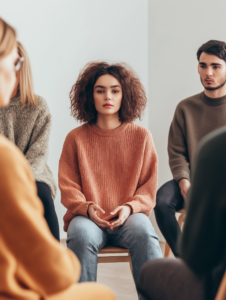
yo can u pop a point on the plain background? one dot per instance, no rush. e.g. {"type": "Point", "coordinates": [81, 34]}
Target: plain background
{"type": "Point", "coordinates": [159, 39]}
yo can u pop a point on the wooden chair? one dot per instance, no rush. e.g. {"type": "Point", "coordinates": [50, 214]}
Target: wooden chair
{"type": "Point", "coordinates": [221, 294]}
{"type": "Point", "coordinates": [180, 221]}
{"type": "Point", "coordinates": [114, 259]}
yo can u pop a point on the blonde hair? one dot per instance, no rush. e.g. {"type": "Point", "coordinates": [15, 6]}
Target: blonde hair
{"type": "Point", "coordinates": [7, 38]}
{"type": "Point", "coordinates": [25, 87]}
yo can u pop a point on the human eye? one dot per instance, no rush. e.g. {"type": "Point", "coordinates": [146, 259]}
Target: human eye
{"type": "Point", "coordinates": [202, 66]}
{"type": "Point", "coordinates": [115, 91]}
{"type": "Point", "coordinates": [215, 67]}
{"type": "Point", "coordinates": [100, 91]}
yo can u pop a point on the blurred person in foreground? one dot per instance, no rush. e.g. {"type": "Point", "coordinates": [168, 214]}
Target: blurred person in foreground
{"type": "Point", "coordinates": [26, 121]}
{"type": "Point", "coordinates": [194, 118]}
{"type": "Point", "coordinates": [33, 264]}
{"type": "Point", "coordinates": [198, 274]}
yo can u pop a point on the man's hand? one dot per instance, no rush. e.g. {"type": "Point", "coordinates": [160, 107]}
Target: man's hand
{"type": "Point", "coordinates": [92, 212]}
{"type": "Point", "coordinates": [123, 213]}
{"type": "Point", "coordinates": [184, 185]}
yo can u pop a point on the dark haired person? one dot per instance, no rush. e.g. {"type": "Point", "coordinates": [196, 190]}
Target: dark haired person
{"type": "Point", "coordinates": [197, 276]}
{"type": "Point", "coordinates": [194, 117]}
{"type": "Point", "coordinates": [108, 169]}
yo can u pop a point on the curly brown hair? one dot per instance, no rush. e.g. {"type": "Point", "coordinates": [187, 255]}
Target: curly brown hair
{"type": "Point", "coordinates": [82, 102]}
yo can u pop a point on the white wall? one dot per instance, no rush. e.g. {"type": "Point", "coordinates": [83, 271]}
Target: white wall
{"type": "Point", "coordinates": [61, 36]}
{"type": "Point", "coordinates": [159, 39]}
{"type": "Point", "coordinates": [176, 30]}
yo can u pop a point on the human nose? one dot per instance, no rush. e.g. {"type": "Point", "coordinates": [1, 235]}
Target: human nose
{"type": "Point", "coordinates": [209, 72]}
{"type": "Point", "coordinates": [108, 95]}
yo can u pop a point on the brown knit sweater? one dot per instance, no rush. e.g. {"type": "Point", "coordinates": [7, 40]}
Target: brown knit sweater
{"type": "Point", "coordinates": [194, 117]}
{"type": "Point", "coordinates": [109, 168]}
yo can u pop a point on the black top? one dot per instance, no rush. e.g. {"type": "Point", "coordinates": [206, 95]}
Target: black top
{"type": "Point", "coordinates": [203, 243]}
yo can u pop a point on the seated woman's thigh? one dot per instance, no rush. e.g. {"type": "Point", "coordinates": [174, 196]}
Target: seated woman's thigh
{"type": "Point", "coordinates": [82, 227]}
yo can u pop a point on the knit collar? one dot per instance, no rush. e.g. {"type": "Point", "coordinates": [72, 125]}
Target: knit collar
{"type": "Point", "coordinates": [213, 101]}
{"type": "Point", "coordinates": [109, 133]}
{"type": "Point", "coordinates": [13, 102]}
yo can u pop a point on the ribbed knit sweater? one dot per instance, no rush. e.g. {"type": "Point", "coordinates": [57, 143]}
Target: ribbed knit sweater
{"type": "Point", "coordinates": [29, 128]}
{"type": "Point", "coordinates": [109, 168]}
{"type": "Point", "coordinates": [194, 118]}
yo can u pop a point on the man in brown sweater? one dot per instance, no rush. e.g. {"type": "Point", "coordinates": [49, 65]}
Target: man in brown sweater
{"type": "Point", "coordinates": [194, 117]}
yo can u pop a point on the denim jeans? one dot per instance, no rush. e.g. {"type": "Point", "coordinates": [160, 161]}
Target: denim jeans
{"type": "Point", "coordinates": [137, 234]}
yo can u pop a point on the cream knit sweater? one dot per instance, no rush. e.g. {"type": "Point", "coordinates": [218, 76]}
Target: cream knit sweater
{"type": "Point", "coordinates": [29, 127]}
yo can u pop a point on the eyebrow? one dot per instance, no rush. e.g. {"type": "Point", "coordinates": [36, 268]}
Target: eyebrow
{"type": "Point", "coordinates": [103, 87]}
{"type": "Point", "coordinates": [213, 64]}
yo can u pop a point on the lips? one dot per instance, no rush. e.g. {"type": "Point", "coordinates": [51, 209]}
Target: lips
{"type": "Point", "coordinates": [208, 80]}
{"type": "Point", "coordinates": [107, 105]}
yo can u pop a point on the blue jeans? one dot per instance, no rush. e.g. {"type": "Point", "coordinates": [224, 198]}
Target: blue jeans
{"type": "Point", "coordinates": [137, 234]}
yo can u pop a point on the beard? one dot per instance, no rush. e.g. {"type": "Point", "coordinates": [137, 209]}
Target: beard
{"type": "Point", "coordinates": [223, 81]}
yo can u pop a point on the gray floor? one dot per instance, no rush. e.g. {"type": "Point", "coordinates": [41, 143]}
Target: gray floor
{"type": "Point", "coordinates": [118, 277]}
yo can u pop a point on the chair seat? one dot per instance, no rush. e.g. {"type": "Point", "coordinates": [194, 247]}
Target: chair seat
{"type": "Point", "coordinates": [112, 249]}
{"type": "Point", "coordinates": [121, 257]}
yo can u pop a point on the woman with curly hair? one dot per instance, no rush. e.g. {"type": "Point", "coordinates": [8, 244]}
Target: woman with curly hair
{"type": "Point", "coordinates": [108, 169]}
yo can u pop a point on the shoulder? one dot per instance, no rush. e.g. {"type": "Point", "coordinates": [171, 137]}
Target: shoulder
{"type": "Point", "coordinates": [76, 133]}
{"type": "Point", "coordinates": [189, 102]}
{"type": "Point", "coordinates": [139, 131]}
{"type": "Point", "coordinates": [42, 105]}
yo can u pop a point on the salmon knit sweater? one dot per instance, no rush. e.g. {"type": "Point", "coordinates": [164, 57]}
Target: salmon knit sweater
{"type": "Point", "coordinates": [108, 168]}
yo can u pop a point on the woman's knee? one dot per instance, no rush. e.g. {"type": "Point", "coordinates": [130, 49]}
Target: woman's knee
{"type": "Point", "coordinates": [141, 229]}
{"type": "Point", "coordinates": [81, 233]}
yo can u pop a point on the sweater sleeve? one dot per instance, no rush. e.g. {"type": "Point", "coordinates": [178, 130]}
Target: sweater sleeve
{"type": "Point", "coordinates": [43, 264]}
{"type": "Point", "coordinates": [69, 178]}
{"type": "Point", "coordinates": [203, 244]}
{"type": "Point", "coordinates": [37, 152]}
{"type": "Point", "coordinates": [177, 147]}
{"type": "Point", "coordinates": [144, 199]}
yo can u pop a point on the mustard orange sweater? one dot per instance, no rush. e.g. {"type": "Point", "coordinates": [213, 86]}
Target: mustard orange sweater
{"type": "Point", "coordinates": [33, 265]}
{"type": "Point", "coordinates": [109, 168]}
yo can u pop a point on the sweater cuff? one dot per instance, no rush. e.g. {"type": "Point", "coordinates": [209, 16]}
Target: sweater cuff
{"type": "Point", "coordinates": [135, 208]}
{"type": "Point", "coordinates": [181, 174]}
{"type": "Point", "coordinates": [83, 209]}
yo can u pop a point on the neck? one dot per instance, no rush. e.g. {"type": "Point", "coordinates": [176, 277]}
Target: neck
{"type": "Point", "coordinates": [216, 93]}
{"type": "Point", "coordinates": [108, 122]}
{"type": "Point", "coordinates": [14, 93]}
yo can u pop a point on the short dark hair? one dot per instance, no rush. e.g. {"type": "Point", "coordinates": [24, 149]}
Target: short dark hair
{"type": "Point", "coordinates": [81, 95]}
{"type": "Point", "coordinates": [213, 47]}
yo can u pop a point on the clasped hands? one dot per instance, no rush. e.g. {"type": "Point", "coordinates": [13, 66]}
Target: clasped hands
{"type": "Point", "coordinates": [123, 212]}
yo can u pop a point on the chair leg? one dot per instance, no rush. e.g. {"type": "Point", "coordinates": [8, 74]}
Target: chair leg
{"type": "Point", "coordinates": [167, 250]}
{"type": "Point", "coordinates": [131, 268]}
{"type": "Point", "coordinates": [181, 219]}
